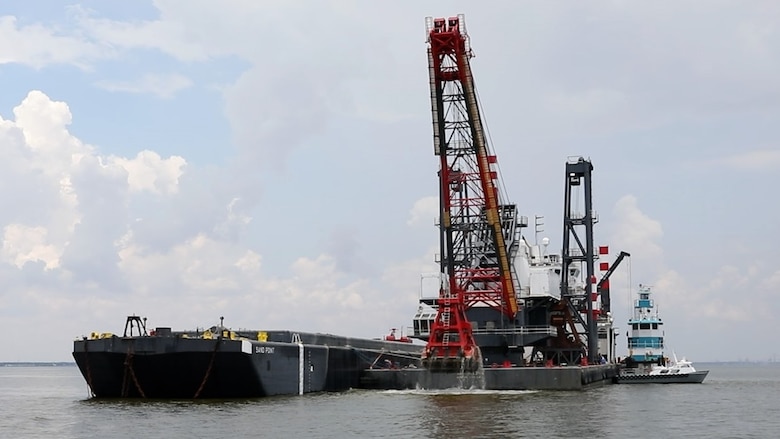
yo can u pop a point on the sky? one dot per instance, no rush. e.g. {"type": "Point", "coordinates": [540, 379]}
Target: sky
{"type": "Point", "coordinates": [271, 162]}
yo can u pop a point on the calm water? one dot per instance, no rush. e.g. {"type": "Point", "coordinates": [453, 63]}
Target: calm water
{"type": "Point", "coordinates": [735, 401]}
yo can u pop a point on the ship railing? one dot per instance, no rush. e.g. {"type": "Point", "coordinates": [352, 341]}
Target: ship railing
{"type": "Point", "coordinates": [523, 330]}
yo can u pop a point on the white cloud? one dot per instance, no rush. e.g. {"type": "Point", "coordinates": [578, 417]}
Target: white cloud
{"type": "Point", "coordinates": [162, 85]}
{"type": "Point", "coordinates": [148, 171]}
{"type": "Point", "coordinates": [70, 203]}
{"type": "Point", "coordinates": [755, 160]}
{"type": "Point", "coordinates": [79, 251]}
{"type": "Point", "coordinates": [22, 244]}
{"type": "Point", "coordinates": [44, 124]}
{"type": "Point", "coordinates": [250, 262]}
{"type": "Point", "coordinates": [170, 34]}
{"type": "Point", "coordinates": [331, 100]}
{"type": "Point", "coordinates": [234, 221]}
{"type": "Point", "coordinates": [37, 45]}
{"type": "Point", "coordinates": [718, 294]}
{"type": "Point", "coordinates": [637, 233]}
{"type": "Point", "coordinates": [425, 211]}
{"type": "Point", "coordinates": [272, 111]}
{"type": "Point", "coordinates": [414, 277]}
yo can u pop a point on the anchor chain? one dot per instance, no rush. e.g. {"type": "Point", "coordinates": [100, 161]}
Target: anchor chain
{"type": "Point", "coordinates": [208, 370]}
{"type": "Point", "coordinates": [129, 368]}
{"type": "Point", "coordinates": [89, 371]}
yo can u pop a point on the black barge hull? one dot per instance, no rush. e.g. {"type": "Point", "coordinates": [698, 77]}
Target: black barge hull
{"type": "Point", "coordinates": [502, 378]}
{"type": "Point", "coordinates": [181, 366]}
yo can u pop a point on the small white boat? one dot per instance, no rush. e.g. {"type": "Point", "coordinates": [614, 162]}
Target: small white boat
{"type": "Point", "coordinates": [678, 367]}
{"type": "Point", "coordinates": [681, 371]}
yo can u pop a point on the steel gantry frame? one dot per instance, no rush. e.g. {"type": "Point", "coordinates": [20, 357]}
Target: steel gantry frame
{"type": "Point", "coordinates": [474, 225]}
{"type": "Point", "coordinates": [578, 221]}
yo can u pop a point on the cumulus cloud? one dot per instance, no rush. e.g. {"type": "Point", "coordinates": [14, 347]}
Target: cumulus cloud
{"type": "Point", "coordinates": [22, 244]}
{"type": "Point", "coordinates": [678, 295]}
{"type": "Point", "coordinates": [637, 232]}
{"type": "Point", "coordinates": [425, 211]}
{"type": "Point", "coordinates": [73, 204]}
{"type": "Point", "coordinates": [44, 124]}
{"type": "Point", "coordinates": [79, 241]}
{"type": "Point", "coordinates": [148, 171]}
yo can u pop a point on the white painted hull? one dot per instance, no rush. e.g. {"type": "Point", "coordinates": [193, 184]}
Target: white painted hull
{"type": "Point", "coordinates": [681, 378]}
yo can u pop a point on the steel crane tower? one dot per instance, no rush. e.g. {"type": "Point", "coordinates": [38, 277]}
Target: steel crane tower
{"type": "Point", "coordinates": [474, 225]}
{"type": "Point", "coordinates": [578, 221]}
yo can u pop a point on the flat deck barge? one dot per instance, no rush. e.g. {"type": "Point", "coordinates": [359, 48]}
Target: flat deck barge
{"type": "Point", "coordinates": [501, 378]}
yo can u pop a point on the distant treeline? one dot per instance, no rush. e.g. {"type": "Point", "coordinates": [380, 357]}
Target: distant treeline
{"type": "Point", "coordinates": [36, 363]}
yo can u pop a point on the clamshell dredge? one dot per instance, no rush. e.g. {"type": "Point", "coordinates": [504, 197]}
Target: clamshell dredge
{"type": "Point", "coordinates": [503, 302]}
{"type": "Point", "coordinates": [221, 363]}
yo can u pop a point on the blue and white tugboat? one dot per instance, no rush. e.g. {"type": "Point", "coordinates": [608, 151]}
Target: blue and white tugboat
{"type": "Point", "coordinates": [646, 362]}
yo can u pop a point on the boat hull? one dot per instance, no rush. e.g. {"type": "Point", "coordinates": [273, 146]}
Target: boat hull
{"type": "Point", "coordinates": [183, 367]}
{"type": "Point", "coordinates": [682, 378]}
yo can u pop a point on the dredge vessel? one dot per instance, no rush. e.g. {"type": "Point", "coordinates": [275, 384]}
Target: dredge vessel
{"type": "Point", "coordinates": [509, 314]}
{"type": "Point", "coordinates": [504, 305]}
{"type": "Point", "coordinates": [503, 300]}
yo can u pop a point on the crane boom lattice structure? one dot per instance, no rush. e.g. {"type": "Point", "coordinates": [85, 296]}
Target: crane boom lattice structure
{"type": "Point", "coordinates": [477, 231]}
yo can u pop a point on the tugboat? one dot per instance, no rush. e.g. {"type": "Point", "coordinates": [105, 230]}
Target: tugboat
{"type": "Point", "coordinates": [646, 362]}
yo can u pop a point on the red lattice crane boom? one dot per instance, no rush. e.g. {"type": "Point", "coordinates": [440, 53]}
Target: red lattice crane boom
{"type": "Point", "coordinates": [475, 263]}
